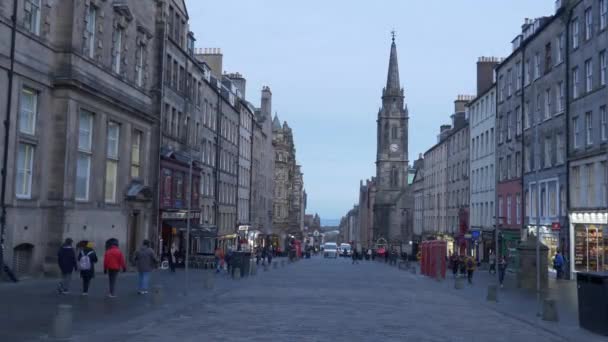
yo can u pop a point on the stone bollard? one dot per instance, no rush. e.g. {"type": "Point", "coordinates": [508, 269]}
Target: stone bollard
{"type": "Point", "coordinates": [157, 294]}
{"type": "Point", "coordinates": [275, 265]}
{"type": "Point", "coordinates": [208, 280]}
{"type": "Point", "coordinates": [492, 293]}
{"type": "Point", "coordinates": [458, 283]}
{"type": "Point", "coordinates": [236, 273]}
{"type": "Point", "coordinates": [62, 324]}
{"type": "Point", "coordinates": [550, 310]}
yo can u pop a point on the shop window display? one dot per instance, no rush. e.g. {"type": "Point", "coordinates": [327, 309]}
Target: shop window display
{"type": "Point", "coordinates": [590, 249]}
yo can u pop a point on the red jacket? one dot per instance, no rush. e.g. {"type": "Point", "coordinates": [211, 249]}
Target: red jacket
{"type": "Point", "coordinates": [114, 260]}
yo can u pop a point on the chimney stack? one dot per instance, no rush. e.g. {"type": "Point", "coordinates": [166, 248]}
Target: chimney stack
{"type": "Point", "coordinates": [214, 58]}
{"type": "Point", "coordinates": [485, 73]}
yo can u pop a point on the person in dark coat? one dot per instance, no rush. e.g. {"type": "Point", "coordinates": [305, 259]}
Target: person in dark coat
{"type": "Point", "coordinates": [87, 273]}
{"type": "Point", "coordinates": [66, 258]}
{"type": "Point", "coordinates": [146, 261]}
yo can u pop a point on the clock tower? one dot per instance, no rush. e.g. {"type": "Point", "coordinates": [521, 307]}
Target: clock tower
{"type": "Point", "coordinates": [391, 154]}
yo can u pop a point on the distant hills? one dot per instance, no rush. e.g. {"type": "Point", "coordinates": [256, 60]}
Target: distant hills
{"type": "Point", "coordinates": [330, 222]}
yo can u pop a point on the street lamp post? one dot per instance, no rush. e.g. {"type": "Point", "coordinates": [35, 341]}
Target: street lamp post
{"type": "Point", "coordinates": [537, 185]}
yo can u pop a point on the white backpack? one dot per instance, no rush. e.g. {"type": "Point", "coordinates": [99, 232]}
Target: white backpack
{"type": "Point", "coordinates": [85, 262]}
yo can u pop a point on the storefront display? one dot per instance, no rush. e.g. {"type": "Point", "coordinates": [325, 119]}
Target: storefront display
{"type": "Point", "coordinates": [590, 248]}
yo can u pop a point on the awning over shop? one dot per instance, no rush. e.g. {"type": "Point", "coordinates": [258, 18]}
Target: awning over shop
{"type": "Point", "coordinates": [196, 230]}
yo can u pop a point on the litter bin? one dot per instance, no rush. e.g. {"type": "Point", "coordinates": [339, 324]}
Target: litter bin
{"type": "Point", "coordinates": [592, 290]}
{"type": "Point", "coordinates": [241, 260]}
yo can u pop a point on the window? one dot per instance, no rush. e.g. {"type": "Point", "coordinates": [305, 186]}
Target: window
{"type": "Point", "coordinates": [527, 159]}
{"type": "Point", "coordinates": [590, 185]}
{"type": "Point", "coordinates": [83, 163]}
{"type": "Point", "coordinates": [509, 83]}
{"type": "Point", "coordinates": [528, 201]}
{"type": "Point", "coordinates": [501, 94]}
{"type": "Point", "coordinates": [27, 111]}
{"type": "Point", "coordinates": [559, 55]}
{"type": "Point", "coordinates": [560, 149]}
{"type": "Point", "coordinates": [517, 165]}
{"type": "Point", "coordinates": [518, 209]}
{"type": "Point", "coordinates": [25, 162]}
{"type": "Point", "coordinates": [509, 167]}
{"type": "Point", "coordinates": [548, 104]}
{"type": "Point", "coordinates": [548, 61]}
{"type": "Point", "coordinates": [589, 128]}
{"type": "Point", "coordinates": [577, 132]}
{"type": "Point", "coordinates": [117, 50]}
{"type": "Point", "coordinates": [603, 67]}
{"type": "Point", "coordinates": [604, 180]}
{"type": "Point", "coordinates": [575, 33]}
{"type": "Point", "coordinates": [509, 126]}
{"type": "Point", "coordinates": [509, 209]}
{"type": "Point", "coordinates": [394, 132]}
{"type": "Point", "coordinates": [575, 80]}
{"type": "Point", "coordinates": [548, 152]}
{"type": "Point", "coordinates": [139, 66]}
{"type": "Point", "coordinates": [174, 81]}
{"type": "Point", "coordinates": [178, 125]}
{"type": "Point", "coordinates": [560, 93]}
{"type": "Point", "coordinates": [113, 133]}
{"type": "Point", "coordinates": [603, 14]}
{"type": "Point", "coordinates": [32, 15]}
{"type": "Point", "coordinates": [91, 20]}
{"type": "Point", "coordinates": [537, 118]}
{"type": "Point", "coordinates": [588, 23]}
{"type": "Point", "coordinates": [543, 200]}
{"type": "Point", "coordinates": [527, 115]}
{"type": "Point", "coordinates": [500, 208]}
{"type": "Point", "coordinates": [576, 186]}
{"type": "Point", "coordinates": [527, 72]}
{"type": "Point", "coordinates": [534, 199]}
{"type": "Point", "coordinates": [136, 154]}
{"type": "Point", "coordinates": [518, 73]}
{"type": "Point", "coordinates": [518, 118]}
{"type": "Point", "coordinates": [588, 75]}
{"type": "Point", "coordinates": [552, 199]}
{"type": "Point", "coordinates": [536, 65]}
{"type": "Point", "coordinates": [604, 123]}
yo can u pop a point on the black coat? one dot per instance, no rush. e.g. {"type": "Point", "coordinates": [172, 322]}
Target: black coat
{"type": "Point", "coordinates": [93, 257]}
{"type": "Point", "coordinates": [66, 258]}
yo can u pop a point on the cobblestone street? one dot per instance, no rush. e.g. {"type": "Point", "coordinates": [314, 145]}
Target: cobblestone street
{"type": "Point", "coordinates": [332, 300]}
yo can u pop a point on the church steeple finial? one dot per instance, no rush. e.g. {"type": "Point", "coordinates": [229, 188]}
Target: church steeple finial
{"type": "Point", "coordinates": [392, 81]}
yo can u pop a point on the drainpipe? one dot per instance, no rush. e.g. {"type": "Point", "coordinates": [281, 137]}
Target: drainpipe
{"type": "Point", "coordinates": [250, 168]}
{"type": "Point", "coordinates": [159, 183]}
{"type": "Point", "coordinates": [218, 122]}
{"type": "Point", "coordinates": [7, 126]}
{"type": "Point", "coordinates": [567, 140]}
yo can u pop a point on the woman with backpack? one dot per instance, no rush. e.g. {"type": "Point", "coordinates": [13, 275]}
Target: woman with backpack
{"type": "Point", "coordinates": [86, 264]}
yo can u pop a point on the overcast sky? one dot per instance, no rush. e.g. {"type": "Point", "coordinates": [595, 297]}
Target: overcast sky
{"type": "Point", "coordinates": [326, 63]}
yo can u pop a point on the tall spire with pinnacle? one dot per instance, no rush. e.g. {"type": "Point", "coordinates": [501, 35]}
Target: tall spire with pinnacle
{"type": "Point", "coordinates": [392, 80]}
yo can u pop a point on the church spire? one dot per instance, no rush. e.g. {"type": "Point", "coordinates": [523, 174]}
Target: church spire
{"type": "Point", "coordinates": [392, 80]}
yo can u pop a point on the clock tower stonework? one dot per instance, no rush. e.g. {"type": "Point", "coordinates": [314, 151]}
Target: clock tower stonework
{"type": "Point", "coordinates": [392, 208]}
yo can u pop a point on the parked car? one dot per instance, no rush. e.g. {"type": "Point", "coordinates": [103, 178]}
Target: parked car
{"type": "Point", "coordinates": [330, 250]}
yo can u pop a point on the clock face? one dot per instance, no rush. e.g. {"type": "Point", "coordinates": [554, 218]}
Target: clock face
{"type": "Point", "coordinates": [394, 147]}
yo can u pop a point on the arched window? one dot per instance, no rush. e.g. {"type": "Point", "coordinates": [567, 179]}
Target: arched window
{"type": "Point", "coordinates": [386, 133]}
{"type": "Point", "coordinates": [394, 132]}
{"type": "Point", "coordinates": [394, 177]}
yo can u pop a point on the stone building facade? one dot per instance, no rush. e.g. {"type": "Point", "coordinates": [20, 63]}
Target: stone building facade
{"type": "Point", "coordinates": [82, 143]}
{"type": "Point", "coordinates": [263, 168]}
{"type": "Point", "coordinates": [367, 199]}
{"type": "Point", "coordinates": [481, 112]}
{"type": "Point", "coordinates": [393, 202]}
{"type": "Point", "coordinates": [288, 210]}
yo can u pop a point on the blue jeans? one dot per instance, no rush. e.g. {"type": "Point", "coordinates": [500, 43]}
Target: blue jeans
{"type": "Point", "coordinates": [144, 281]}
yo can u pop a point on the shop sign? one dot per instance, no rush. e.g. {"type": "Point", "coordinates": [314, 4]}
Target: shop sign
{"type": "Point", "coordinates": [179, 215]}
{"type": "Point", "coordinates": [475, 234]}
{"type": "Point", "coordinates": [467, 236]}
{"type": "Point", "coordinates": [555, 226]}
{"type": "Point", "coordinates": [243, 228]}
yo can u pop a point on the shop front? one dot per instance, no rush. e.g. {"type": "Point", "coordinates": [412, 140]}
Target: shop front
{"type": "Point", "coordinates": [174, 226]}
{"type": "Point", "coordinates": [589, 233]}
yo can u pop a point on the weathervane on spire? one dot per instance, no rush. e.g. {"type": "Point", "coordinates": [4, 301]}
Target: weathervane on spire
{"type": "Point", "coordinates": [393, 34]}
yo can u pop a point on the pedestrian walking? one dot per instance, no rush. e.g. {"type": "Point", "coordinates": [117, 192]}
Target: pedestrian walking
{"type": "Point", "coordinates": [355, 256]}
{"type": "Point", "coordinates": [113, 262]}
{"type": "Point", "coordinates": [258, 255]}
{"type": "Point", "coordinates": [470, 269]}
{"type": "Point", "coordinates": [386, 255]}
{"type": "Point", "coordinates": [219, 259]}
{"type": "Point", "coordinates": [270, 253]}
{"type": "Point", "coordinates": [558, 264]}
{"type": "Point", "coordinates": [492, 261]}
{"type": "Point", "coordinates": [66, 258]}
{"type": "Point", "coordinates": [87, 258]}
{"type": "Point", "coordinates": [454, 265]}
{"type": "Point", "coordinates": [502, 268]}
{"type": "Point", "coordinates": [172, 257]}
{"type": "Point", "coordinates": [146, 262]}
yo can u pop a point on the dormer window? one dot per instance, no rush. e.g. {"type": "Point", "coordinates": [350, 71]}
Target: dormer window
{"type": "Point", "coordinates": [32, 15]}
